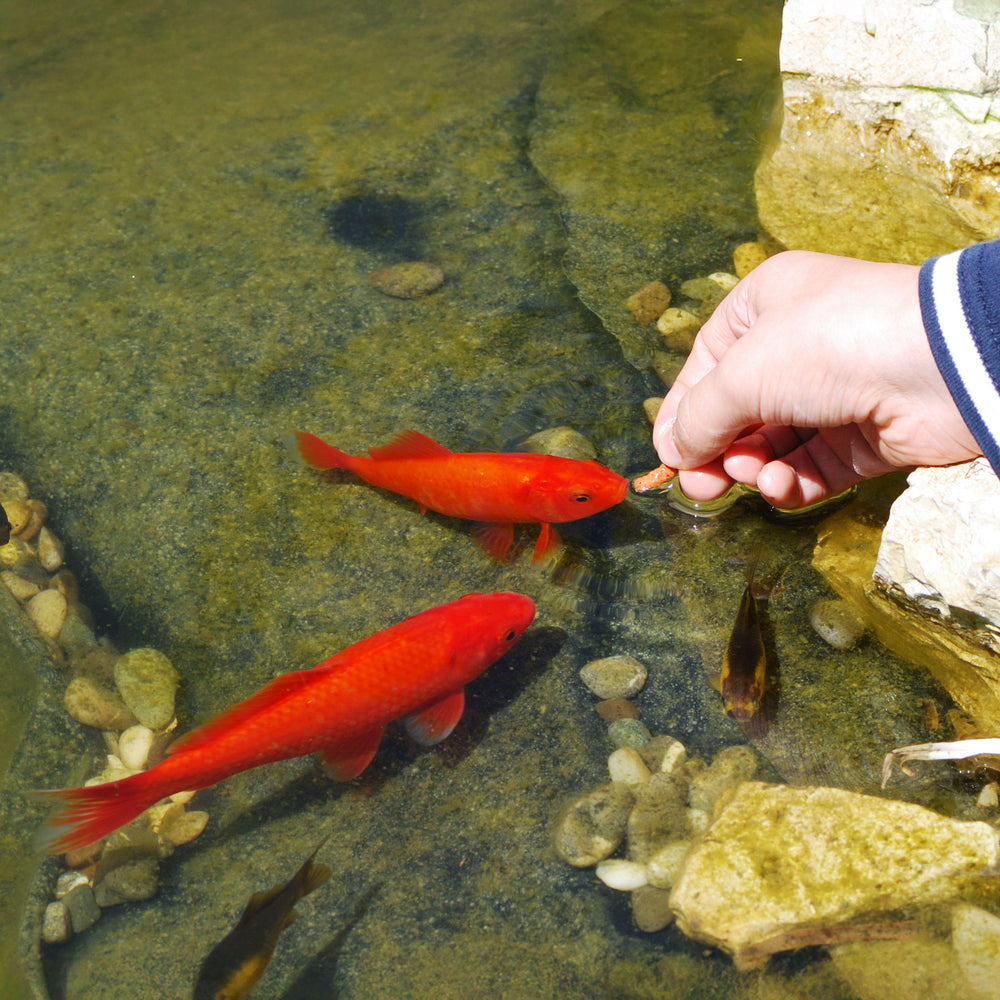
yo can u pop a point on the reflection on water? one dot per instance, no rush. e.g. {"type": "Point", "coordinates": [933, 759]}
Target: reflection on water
{"type": "Point", "coordinates": [194, 199]}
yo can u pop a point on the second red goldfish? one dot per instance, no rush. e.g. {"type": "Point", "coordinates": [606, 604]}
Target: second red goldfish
{"type": "Point", "coordinates": [415, 670]}
{"type": "Point", "coordinates": [497, 489]}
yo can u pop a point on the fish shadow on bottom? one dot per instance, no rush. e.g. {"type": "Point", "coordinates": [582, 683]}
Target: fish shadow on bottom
{"type": "Point", "coordinates": [316, 979]}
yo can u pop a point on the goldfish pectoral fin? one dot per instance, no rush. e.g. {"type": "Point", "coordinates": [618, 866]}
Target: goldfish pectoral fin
{"type": "Point", "coordinates": [495, 538]}
{"type": "Point", "coordinates": [548, 542]}
{"type": "Point", "coordinates": [343, 762]}
{"type": "Point", "coordinates": [436, 722]}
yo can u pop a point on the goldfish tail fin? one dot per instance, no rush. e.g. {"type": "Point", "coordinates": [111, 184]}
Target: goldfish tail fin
{"type": "Point", "coordinates": [548, 542]}
{"type": "Point", "coordinates": [317, 453]}
{"type": "Point", "coordinates": [85, 815]}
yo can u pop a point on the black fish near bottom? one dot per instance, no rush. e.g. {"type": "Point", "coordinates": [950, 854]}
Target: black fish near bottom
{"type": "Point", "coordinates": [746, 683]}
{"type": "Point", "coordinates": [234, 965]}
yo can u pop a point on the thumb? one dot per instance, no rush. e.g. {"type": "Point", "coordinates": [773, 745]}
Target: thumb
{"type": "Point", "coordinates": [702, 420]}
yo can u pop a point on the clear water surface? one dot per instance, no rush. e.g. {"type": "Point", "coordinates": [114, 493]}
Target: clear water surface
{"type": "Point", "coordinates": [193, 196]}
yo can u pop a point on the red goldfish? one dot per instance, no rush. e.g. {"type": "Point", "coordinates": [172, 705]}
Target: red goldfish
{"type": "Point", "coordinates": [416, 670]}
{"type": "Point", "coordinates": [500, 490]}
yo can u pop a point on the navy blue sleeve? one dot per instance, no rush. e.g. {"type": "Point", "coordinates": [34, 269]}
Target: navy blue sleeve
{"type": "Point", "coordinates": [960, 303]}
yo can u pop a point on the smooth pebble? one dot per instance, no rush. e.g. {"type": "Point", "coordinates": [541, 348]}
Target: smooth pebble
{"type": "Point", "coordinates": [409, 280]}
{"type": "Point", "coordinates": [147, 682]}
{"type": "Point", "coordinates": [128, 883]}
{"type": "Point", "coordinates": [47, 610]}
{"type": "Point", "coordinates": [180, 826]}
{"type": "Point", "coordinates": [651, 909]}
{"type": "Point", "coordinates": [664, 866]}
{"type": "Point", "coordinates": [563, 442]}
{"type": "Point", "coordinates": [628, 733]}
{"type": "Point", "coordinates": [614, 676]}
{"type": "Point", "coordinates": [593, 826]}
{"type": "Point", "coordinates": [664, 754]}
{"type": "Point", "coordinates": [93, 704]}
{"type": "Point", "coordinates": [83, 909]}
{"type": "Point", "coordinates": [837, 623]}
{"type": "Point", "coordinates": [729, 767]}
{"type": "Point", "coordinates": [612, 709]}
{"type": "Point", "coordinates": [651, 407]}
{"type": "Point", "coordinates": [626, 764]}
{"type": "Point", "coordinates": [647, 303]}
{"type": "Point", "coordinates": [57, 927]}
{"type": "Point", "coordinates": [23, 590]}
{"type": "Point", "coordinates": [678, 324]}
{"type": "Point", "coordinates": [989, 796]}
{"type": "Point", "coordinates": [51, 552]}
{"type": "Point", "coordinates": [625, 876]}
{"type": "Point", "coordinates": [747, 256]}
{"type": "Point", "coordinates": [134, 745]}
{"type": "Point", "coordinates": [67, 881]}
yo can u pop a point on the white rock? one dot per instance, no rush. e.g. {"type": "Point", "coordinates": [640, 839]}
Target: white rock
{"type": "Point", "coordinates": [625, 876]}
{"type": "Point", "coordinates": [989, 796]}
{"type": "Point", "coordinates": [698, 820]}
{"type": "Point", "coordinates": [975, 936]}
{"type": "Point", "coordinates": [663, 867]}
{"type": "Point", "coordinates": [56, 925]}
{"type": "Point", "coordinates": [626, 764]}
{"type": "Point", "coordinates": [614, 676]}
{"type": "Point", "coordinates": [941, 546]}
{"type": "Point", "coordinates": [68, 881]}
{"type": "Point", "coordinates": [134, 745]}
{"type": "Point", "coordinates": [674, 321]}
{"type": "Point", "coordinates": [941, 45]}
{"type": "Point", "coordinates": [726, 281]}
{"type": "Point", "coordinates": [47, 610]}
{"type": "Point", "coordinates": [51, 552]}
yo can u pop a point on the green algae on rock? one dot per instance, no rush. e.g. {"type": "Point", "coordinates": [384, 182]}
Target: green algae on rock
{"type": "Point", "coordinates": [776, 860]}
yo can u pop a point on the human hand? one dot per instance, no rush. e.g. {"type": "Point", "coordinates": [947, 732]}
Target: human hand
{"type": "Point", "coordinates": [813, 374]}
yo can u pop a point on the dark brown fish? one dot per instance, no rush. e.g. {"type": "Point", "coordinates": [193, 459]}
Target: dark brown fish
{"type": "Point", "coordinates": [235, 964]}
{"type": "Point", "coordinates": [744, 679]}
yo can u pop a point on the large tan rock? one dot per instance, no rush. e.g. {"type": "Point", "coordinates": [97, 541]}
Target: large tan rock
{"type": "Point", "coordinates": [889, 138]}
{"type": "Point", "coordinates": [779, 861]}
{"type": "Point", "coordinates": [960, 655]}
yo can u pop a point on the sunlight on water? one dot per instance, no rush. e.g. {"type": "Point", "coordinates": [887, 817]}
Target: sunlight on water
{"type": "Point", "coordinates": [196, 199]}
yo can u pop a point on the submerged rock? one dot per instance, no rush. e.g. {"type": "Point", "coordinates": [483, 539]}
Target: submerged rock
{"type": "Point", "coordinates": [779, 860]}
{"type": "Point", "coordinates": [409, 280]}
{"type": "Point", "coordinates": [614, 677]}
{"type": "Point", "coordinates": [837, 623]}
{"type": "Point", "coordinates": [593, 827]}
{"type": "Point", "coordinates": [147, 681]}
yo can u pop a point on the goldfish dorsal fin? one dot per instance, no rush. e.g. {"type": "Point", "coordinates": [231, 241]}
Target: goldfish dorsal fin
{"type": "Point", "coordinates": [346, 760]}
{"type": "Point", "coordinates": [495, 538]}
{"type": "Point", "coordinates": [277, 689]}
{"type": "Point", "coordinates": [435, 723]}
{"type": "Point", "coordinates": [409, 444]}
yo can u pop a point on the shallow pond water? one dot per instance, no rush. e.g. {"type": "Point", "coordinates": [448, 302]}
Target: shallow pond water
{"type": "Point", "coordinates": [194, 197]}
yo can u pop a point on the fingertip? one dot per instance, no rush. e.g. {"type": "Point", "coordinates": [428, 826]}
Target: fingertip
{"type": "Point", "coordinates": [663, 442]}
{"type": "Point", "coordinates": [779, 485]}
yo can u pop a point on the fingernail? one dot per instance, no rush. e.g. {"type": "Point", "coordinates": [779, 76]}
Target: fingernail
{"type": "Point", "coordinates": [663, 442]}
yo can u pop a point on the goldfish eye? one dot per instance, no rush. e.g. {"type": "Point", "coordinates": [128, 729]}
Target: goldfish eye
{"type": "Point", "coordinates": [581, 498]}
{"type": "Point", "coordinates": [510, 635]}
